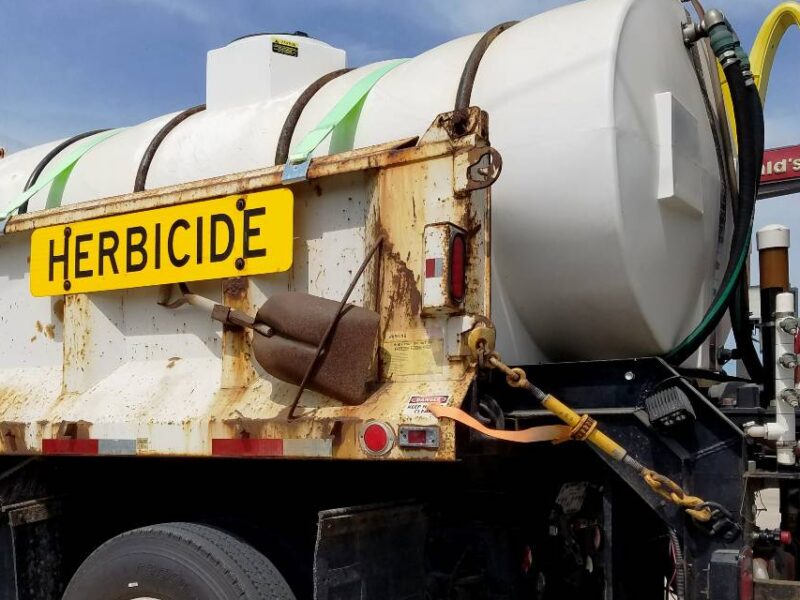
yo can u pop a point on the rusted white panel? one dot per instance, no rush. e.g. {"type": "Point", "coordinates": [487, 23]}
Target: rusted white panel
{"type": "Point", "coordinates": [119, 368]}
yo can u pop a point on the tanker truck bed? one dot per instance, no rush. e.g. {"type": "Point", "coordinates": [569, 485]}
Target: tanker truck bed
{"type": "Point", "coordinates": [98, 362]}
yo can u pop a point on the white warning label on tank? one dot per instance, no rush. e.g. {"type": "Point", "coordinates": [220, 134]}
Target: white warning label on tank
{"type": "Point", "coordinates": [418, 405]}
{"type": "Point", "coordinates": [417, 352]}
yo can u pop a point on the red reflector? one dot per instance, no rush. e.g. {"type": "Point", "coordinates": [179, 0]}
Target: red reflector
{"type": "Point", "coordinates": [418, 436]}
{"type": "Point", "coordinates": [69, 446]}
{"type": "Point", "coordinates": [376, 438]}
{"type": "Point", "coordinates": [430, 267]}
{"type": "Point", "coordinates": [458, 268]}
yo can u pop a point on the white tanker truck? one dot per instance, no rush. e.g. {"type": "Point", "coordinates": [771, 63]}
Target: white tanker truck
{"type": "Point", "coordinates": [301, 340]}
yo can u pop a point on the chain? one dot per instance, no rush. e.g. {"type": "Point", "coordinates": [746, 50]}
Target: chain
{"type": "Point", "coordinates": [695, 507]}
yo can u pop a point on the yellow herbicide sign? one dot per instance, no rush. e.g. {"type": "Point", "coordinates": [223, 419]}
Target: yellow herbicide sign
{"type": "Point", "coordinates": [211, 239]}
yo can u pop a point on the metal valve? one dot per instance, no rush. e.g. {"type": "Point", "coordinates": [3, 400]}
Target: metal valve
{"type": "Point", "coordinates": [788, 360]}
{"type": "Point", "coordinates": [791, 397]}
{"type": "Point", "coordinates": [789, 325]}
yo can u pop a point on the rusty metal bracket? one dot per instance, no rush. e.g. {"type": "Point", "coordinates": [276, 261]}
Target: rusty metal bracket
{"type": "Point", "coordinates": [329, 332]}
{"type": "Point", "coordinates": [476, 169]}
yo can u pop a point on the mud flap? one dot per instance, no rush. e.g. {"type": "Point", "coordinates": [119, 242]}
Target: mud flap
{"type": "Point", "coordinates": [370, 553]}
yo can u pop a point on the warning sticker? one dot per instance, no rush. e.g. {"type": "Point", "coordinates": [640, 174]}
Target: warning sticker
{"type": "Point", "coordinates": [571, 496]}
{"type": "Point", "coordinates": [412, 353]}
{"type": "Point", "coordinates": [285, 47]}
{"type": "Point", "coordinates": [418, 405]}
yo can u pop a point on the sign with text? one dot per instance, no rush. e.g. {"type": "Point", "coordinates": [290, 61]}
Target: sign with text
{"type": "Point", "coordinates": [249, 234]}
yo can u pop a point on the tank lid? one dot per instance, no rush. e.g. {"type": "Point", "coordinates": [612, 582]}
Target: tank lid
{"type": "Point", "coordinates": [263, 66]}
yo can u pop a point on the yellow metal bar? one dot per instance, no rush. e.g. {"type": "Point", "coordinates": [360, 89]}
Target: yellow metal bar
{"type": "Point", "coordinates": [597, 438]}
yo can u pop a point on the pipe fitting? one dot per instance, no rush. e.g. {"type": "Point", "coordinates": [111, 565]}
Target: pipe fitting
{"type": "Point", "coordinates": [692, 33]}
{"type": "Point", "coordinates": [788, 360]}
{"type": "Point", "coordinates": [791, 396]}
{"type": "Point", "coordinates": [712, 18]}
{"type": "Point", "coordinates": [789, 325]}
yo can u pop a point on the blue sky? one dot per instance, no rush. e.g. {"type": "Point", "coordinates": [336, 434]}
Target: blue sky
{"type": "Point", "coordinates": [73, 65]}
{"type": "Point", "coordinates": [69, 66]}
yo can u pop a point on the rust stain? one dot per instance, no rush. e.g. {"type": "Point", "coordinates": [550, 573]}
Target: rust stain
{"type": "Point", "coordinates": [12, 440]}
{"type": "Point", "coordinates": [237, 367]}
{"type": "Point", "coordinates": [404, 288]}
{"type": "Point", "coordinates": [33, 339]}
{"type": "Point", "coordinates": [172, 360]}
{"type": "Point", "coordinates": [235, 288]}
{"type": "Point", "coordinates": [39, 327]}
{"type": "Point", "coordinates": [50, 331]}
{"type": "Point", "coordinates": [58, 309]}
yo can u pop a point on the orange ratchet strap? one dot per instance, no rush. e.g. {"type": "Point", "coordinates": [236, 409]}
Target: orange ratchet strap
{"type": "Point", "coordinates": [548, 433]}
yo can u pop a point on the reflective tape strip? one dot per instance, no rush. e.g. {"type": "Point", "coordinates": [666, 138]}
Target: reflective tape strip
{"type": "Point", "coordinates": [247, 447]}
{"type": "Point", "coordinates": [434, 267]}
{"type": "Point", "coordinates": [70, 446]}
{"type": "Point", "coordinates": [92, 447]}
{"type": "Point", "coordinates": [340, 112]}
{"type": "Point", "coordinates": [311, 448]}
{"type": "Point", "coordinates": [272, 447]}
{"type": "Point", "coordinates": [117, 447]}
{"type": "Point", "coordinates": [57, 175]}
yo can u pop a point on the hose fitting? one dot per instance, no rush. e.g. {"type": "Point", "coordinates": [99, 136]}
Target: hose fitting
{"type": "Point", "coordinates": [725, 43]}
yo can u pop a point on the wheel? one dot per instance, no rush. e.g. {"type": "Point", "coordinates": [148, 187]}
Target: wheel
{"type": "Point", "coordinates": [177, 561]}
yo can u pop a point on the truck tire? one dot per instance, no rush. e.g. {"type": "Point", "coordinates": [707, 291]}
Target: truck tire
{"type": "Point", "coordinates": [177, 561]}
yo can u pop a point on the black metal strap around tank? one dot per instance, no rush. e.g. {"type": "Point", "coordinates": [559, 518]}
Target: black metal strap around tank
{"type": "Point", "coordinates": [147, 158]}
{"type": "Point", "coordinates": [289, 125]}
{"type": "Point", "coordinates": [37, 171]}
{"type": "Point", "coordinates": [464, 94]}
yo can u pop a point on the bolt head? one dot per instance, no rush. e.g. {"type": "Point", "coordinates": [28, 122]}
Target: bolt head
{"type": "Point", "coordinates": [239, 263]}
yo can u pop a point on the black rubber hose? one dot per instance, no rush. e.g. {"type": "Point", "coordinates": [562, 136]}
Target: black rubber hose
{"type": "Point", "coordinates": [740, 313]}
{"type": "Point", "coordinates": [743, 331]}
{"type": "Point", "coordinates": [147, 158]}
{"type": "Point", "coordinates": [746, 113]}
{"type": "Point", "coordinates": [37, 171]}
{"type": "Point", "coordinates": [289, 125]}
{"type": "Point", "coordinates": [464, 93]}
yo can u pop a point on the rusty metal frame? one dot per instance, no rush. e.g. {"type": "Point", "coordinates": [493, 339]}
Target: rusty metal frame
{"type": "Point", "coordinates": [374, 157]}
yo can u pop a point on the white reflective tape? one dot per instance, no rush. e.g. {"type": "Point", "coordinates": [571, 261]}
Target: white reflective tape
{"type": "Point", "coordinates": [311, 447]}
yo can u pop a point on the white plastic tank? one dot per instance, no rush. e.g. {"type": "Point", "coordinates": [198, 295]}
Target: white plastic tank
{"type": "Point", "coordinates": [606, 216]}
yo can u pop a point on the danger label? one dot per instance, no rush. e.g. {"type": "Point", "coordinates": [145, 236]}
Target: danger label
{"type": "Point", "coordinates": [418, 405]}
